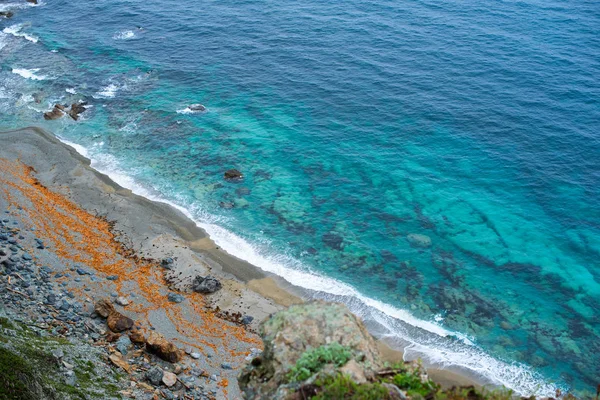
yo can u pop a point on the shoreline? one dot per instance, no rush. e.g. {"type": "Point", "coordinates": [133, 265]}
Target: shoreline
{"type": "Point", "coordinates": [261, 292]}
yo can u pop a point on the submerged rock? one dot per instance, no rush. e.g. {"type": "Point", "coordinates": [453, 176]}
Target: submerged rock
{"type": "Point", "coordinates": [418, 240]}
{"type": "Point", "coordinates": [206, 285]}
{"type": "Point", "coordinates": [233, 175]}
{"type": "Point", "coordinates": [7, 14]}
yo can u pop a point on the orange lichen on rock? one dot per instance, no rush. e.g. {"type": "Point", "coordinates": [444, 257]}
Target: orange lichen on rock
{"type": "Point", "coordinates": [79, 237]}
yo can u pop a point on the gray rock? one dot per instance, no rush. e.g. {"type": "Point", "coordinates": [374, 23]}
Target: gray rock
{"type": "Point", "coordinates": [176, 298]}
{"type": "Point", "coordinates": [226, 366]}
{"type": "Point", "coordinates": [27, 257]}
{"type": "Point", "coordinates": [247, 319]}
{"type": "Point", "coordinates": [123, 344]}
{"type": "Point", "coordinates": [209, 284]}
{"type": "Point", "coordinates": [154, 376]}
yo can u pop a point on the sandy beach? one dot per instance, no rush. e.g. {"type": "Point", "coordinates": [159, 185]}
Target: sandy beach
{"type": "Point", "coordinates": [88, 220]}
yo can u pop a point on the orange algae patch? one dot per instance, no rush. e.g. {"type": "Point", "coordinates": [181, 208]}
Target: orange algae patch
{"type": "Point", "coordinates": [80, 237]}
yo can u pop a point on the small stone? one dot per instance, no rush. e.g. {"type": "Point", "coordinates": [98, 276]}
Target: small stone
{"type": "Point", "coordinates": [206, 285]}
{"type": "Point", "coordinates": [122, 301]}
{"type": "Point", "coordinates": [175, 297]}
{"type": "Point", "coordinates": [112, 277]}
{"type": "Point", "coordinates": [123, 344]}
{"type": "Point", "coordinates": [195, 355]}
{"type": "Point", "coordinates": [154, 376]}
{"type": "Point", "coordinates": [226, 366]}
{"type": "Point", "coordinates": [247, 319]}
{"type": "Point", "coordinates": [27, 257]}
{"type": "Point", "coordinates": [82, 271]}
{"type": "Point", "coordinates": [58, 354]}
{"type": "Point", "coordinates": [169, 378]}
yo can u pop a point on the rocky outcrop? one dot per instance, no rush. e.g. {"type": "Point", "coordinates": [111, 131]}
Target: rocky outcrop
{"type": "Point", "coordinates": [196, 108]}
{"type": "Point", "coordinates": [76, 109]}
{"type": "Point", "coordinates": [56, 113]}
{"type": "Point", "coordinates": [305, 330]}
{"type": "Point", "coordinates": [206, 285]}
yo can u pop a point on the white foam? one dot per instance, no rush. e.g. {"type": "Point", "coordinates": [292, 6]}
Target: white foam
{"type": "Point", "coordinates": [432, 342]}
{"type": "Point", "coordinates": [124, 35]}
{"type": "Point", "coordinates": [107, 91]}
{"type": "Point", "coordinates": [15, 30]}
{"type": "Point", "coordinates": [71, 90]}
{"type": "Point", "coordinates": [29, 73]}
{"type": "Point", "coordinates": [15, 6]}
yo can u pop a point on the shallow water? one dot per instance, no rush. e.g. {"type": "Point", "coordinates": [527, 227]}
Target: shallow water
{"type": "Point", "coordinates": [357, 125]}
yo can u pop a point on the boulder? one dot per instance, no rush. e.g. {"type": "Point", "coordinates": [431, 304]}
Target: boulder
{"type": "Point", "coordinates": [76, 109]}
{"type": "Point", "coordinates": [233, 175]}
{"type": "Point", "coordinates": [159, 345]}
{"type": "Point", "coordinates": [56, 113]}
{"type": "Point", "coordinates": [290, 333]}
{"type": "Point", "coordinates": [116, 321]}
{"type": "Point", "coordinates": [418, 240]}
{"type": "Point", "coordinates": [206, 285]}
{"type": "Point", "coordinates": [7, 14]}
{"type": "Point", "coordinates": [137, 336]}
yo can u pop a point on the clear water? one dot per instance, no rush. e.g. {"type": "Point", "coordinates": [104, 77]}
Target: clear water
{"type": "Point", "coordinates": [356, 124]}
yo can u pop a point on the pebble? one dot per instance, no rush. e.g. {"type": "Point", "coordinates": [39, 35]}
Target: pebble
{"type": "Point", "coordinates": [175, 297]}
{"type": "Point", "coordinates": [112, 277]}
{"type": "Point", "coordinates": [226, 366]}
{"type": "Point", "coordinates": [169, 378]}
{"type": "Point", "coordinates": [122, 301]}
{"type": "Point", "coordinates": [195, 355]}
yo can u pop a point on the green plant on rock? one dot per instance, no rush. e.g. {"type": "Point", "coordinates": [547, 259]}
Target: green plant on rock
{"type": "Point", "coordinates": [343, 387]}
{"type": "Point", "coordinates": [411, 382]}
{"type": "Point", "coordinates": [313, 360]}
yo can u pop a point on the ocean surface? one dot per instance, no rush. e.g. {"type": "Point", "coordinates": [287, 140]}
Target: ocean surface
{"type": "Point", "coordinates": [435, 165]}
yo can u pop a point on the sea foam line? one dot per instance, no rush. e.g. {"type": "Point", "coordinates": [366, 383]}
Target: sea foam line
{"type": "Point", "coordinates": [15, 30]}
{"type": "Point", "coordinates": [29, 73]}
{"type": "Point", "coordinates": [438, 348]}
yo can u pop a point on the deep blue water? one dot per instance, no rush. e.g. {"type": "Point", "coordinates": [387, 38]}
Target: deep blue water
{"type": "Point", "coordinates": [358, 124]}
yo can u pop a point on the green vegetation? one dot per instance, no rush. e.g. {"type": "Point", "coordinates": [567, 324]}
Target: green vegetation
{"type": "Point", "coordinates": [313, 360]}
{"type": "Point", "coordinates": [29, 371]}
{"type": "Point", "coordinates": [342, 387]}
{"type": "Point", "coordinates": [398, 377]}
{"type": "Point", "coordinates": [14, 372]}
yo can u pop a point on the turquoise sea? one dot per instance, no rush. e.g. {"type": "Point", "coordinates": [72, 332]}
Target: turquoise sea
{"type": "Point", "coordinates": [434, 165]}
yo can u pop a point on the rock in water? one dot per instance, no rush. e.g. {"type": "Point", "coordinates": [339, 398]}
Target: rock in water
{"type": "Point", "coordinates": [197, 107]}
{"type": "Point", "coordinates": [56, 113]}
{"type": "Point", "coordinates": [233, 175]}
{"type": "Point", "coordinates": [76, 109]}
{"type": "Point", "coordinates": [206, 285]}
{"type": "Point", "coordinates": [159, 345]}
{"type": "Point", "coordinates": [288, 334]}
{"type": "Point", "coordinates": [7, 14]}
{"type": "Point", "coordinates": [418, 240]}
